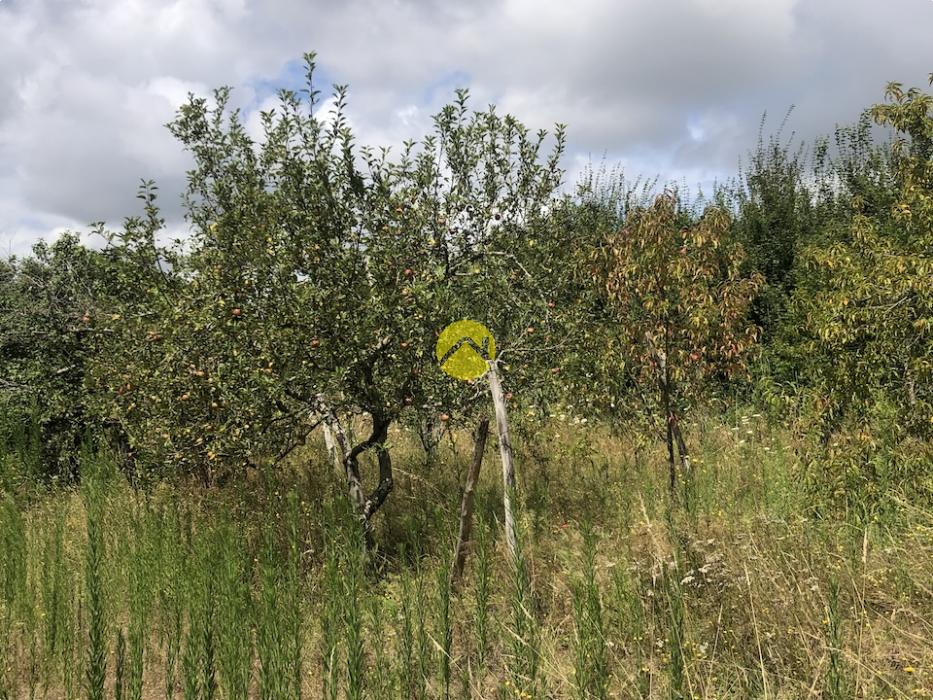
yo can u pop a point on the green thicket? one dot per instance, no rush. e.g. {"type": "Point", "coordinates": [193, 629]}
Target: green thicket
{"type": "Point", "coordinates": [318, 273]}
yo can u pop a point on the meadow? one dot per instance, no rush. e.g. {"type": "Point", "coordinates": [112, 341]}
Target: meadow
{"type": "Point", "coordinates": [263, 589]}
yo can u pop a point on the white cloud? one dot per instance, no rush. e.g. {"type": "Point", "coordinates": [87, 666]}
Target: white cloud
{"type": "Point", "coordinates": [675, 88]}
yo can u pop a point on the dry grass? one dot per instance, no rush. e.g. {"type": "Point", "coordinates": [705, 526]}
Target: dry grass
{"type": "Point", "coordinates": [729, 599]}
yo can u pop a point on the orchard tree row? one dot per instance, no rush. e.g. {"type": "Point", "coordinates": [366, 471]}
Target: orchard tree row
{"type": "Point", "coordinates": [318, 274]}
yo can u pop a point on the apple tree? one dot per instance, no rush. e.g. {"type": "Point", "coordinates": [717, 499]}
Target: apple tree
{"type": "Point", "coordinates": [316, 278]}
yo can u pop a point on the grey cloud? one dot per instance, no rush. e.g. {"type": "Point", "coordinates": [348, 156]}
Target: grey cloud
{"type": "Point", "coordinates": [676, 88]}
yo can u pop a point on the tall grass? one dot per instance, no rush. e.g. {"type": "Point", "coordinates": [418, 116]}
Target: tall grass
{"type": "Point", "coordinates": [176, 591]}
{"type": "Point", "coordinates": [522, 628]}
{"type": "Point", "coordinates": [235, 648]}
{"type": "Point", "coordinates": [836, 684]}
{"type": "Point", "coordinates": [96, 665]}
{"type": "Point", "coordinates": [591, 667]}
{"type": "Point", "coordinates": [331, 619]}
{"type": "Point", "coordinates": [482, 589]}
{"type": "Point", "coordinates": [353, 584]}
{"type": "Point", "coordinates": [443, 625]}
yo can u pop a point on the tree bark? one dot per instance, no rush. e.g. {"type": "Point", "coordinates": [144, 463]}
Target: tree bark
{"type": "Point", "coordinates": [366, 507]}
{"type": "Point", "coordinates": [505, 453]}
{"type": "Point", "coordinates": [466, 506]}
{"type": "Point", "coordinates": [430, 438]}
{"type": "Point", "coordinates": [674, 434]}
{"type": "Point", "coordinates": [681, 445]}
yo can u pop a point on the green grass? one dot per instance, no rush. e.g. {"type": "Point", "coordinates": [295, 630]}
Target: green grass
{"type": "Point", "coordinates": [259, 591]}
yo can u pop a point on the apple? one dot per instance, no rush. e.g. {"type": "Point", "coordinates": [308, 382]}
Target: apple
{"type": "Point", "coordinates": [409, 273]}
{"type": "Point", "coordinates": [444, 417]}
{"type": "Point", "coordinates": [551, 304]}
{"type": "Point", "coordinates": [404, 344]}
{"type": "Point", "coordinates": [530, 330]}
{"type": "Point", "coordinates": [508, 396]}
{"type": "Point", "coordinates": [408, 401]}
{"type": "Point", "coordinates": [237, 311]}
{"type": "Point", "coordinates": [555, 370]}
{"type": "Point", "coordinates": [185, 397]}
{"type": "Point", "coordinates": [315, 343]}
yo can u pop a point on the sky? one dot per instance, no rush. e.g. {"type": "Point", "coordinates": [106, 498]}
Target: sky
{"type": "Point", "coordinates": [668, 88]}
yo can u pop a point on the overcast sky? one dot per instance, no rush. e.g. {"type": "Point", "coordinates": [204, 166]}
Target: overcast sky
{"type": "Point", "coordinates": [674, 88]}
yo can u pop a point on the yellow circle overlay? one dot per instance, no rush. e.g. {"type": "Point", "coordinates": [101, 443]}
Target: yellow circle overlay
{"type": "Point", "coordinates": [460, 348]}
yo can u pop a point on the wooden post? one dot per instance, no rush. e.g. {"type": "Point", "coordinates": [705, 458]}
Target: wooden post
{"type": "Point", "coordinates": [328, 437]}
{"type": "Point", "coordinates": [339, 447]}
{"type": "Point", "coordinates": [466, 505]}
{"type": "Point", "coordinates": [505, 452]}
{"type": "Point", "coordinates": [334, 436]}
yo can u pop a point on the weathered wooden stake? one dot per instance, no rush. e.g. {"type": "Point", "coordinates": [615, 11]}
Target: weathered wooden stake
{"type": "Point", "coordinates": [505, 452]}
{"type": "Point", "coordinates": [334, 436]}
{"type": "Point", "coordinates": [466, 505]}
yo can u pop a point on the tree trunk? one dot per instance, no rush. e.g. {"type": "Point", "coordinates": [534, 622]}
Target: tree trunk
{"type": "Point", "coordinates": [430, 438]}
{"type": "Point", "coordinates": [665, 387]}
{"type": "Point", "coordinates": [367, 507]}
{"type": "Point", "coordinates": [466, 505]}
{"type": "Point", "coordinates": [505, 452]}
{"type": "Point", "coordinates": [681, 445]}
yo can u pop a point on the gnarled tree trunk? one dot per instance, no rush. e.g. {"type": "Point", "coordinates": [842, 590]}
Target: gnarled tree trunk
{"type": "Point", "coordinates": [364, 506]}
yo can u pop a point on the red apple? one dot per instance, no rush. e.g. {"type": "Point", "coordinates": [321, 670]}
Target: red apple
{"type": "Point", "coordinates": [444, 418]}
{"type": "Point", "coordinates": [237, 312]}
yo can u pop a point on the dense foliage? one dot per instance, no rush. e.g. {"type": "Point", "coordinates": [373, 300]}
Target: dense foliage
{"type": "Point", "coordinates": [317, 275]}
